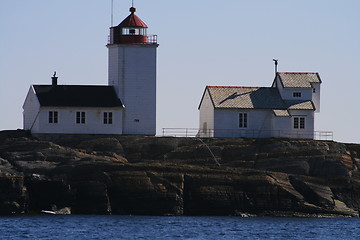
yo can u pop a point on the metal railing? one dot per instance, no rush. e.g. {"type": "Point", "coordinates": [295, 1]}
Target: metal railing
{"type": "Point", "coordinates": [152, 39]}
{"type": "Point", "coordinates": [180, 132]}
{"type": "Point", "coordinates": [242, 133]}
{"type": "Point", "coordinates": [138, 39]}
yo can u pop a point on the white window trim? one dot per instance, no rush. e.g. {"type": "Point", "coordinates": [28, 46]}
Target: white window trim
{"type": "Point", "coordinates": [301, 122]}
{"type": "Point", "coordinates": [108, 118]}
{"type": "Point", "coordinates": [243, 120]}
{"type": "Point", "coordinates": [53, 117]}
{"type": "Point", "coordinates": [82, 117]}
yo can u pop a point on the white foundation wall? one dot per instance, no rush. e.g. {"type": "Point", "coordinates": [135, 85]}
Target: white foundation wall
{"type": "Point", "coordinates": [309, 115]}
{"type": "Point", "coordinates": [226, 123]}
{"type": "Point", "coordinates": [282, 126]}
{"type": "Point", "coordinates": [132, 71]}
{"type": "Point", "coordinates": [206, 123]}
{"type": "Point", "coordinates": [94, 123]}
{"type": "Point", "coordinates": [262, 124]}
{"type": "Point", "coordinates": [31, 109]}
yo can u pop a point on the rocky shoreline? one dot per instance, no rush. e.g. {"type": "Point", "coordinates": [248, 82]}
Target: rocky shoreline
{"type": "Point", "coordinates": [178, 176]}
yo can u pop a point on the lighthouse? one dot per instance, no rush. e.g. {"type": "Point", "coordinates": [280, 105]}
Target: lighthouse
{"type": "Point", "coordinates": [132, 73]}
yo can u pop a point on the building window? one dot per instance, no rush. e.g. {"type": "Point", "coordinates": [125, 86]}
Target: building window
{"type": "Point", "coordinates": [53, 117]}
{"type": "Point", "coordinates": [80, 117]}
{"type": "Point", "coordinates": [243, 120]}
{"type": "Point", "coordinates": [314, 90]}
{"type": "Point", "coordinates": [299, 122]}
{"type": "Point", "coordinates": [108, 117]}
{"type": "Point", "coordinates": [296, 94]}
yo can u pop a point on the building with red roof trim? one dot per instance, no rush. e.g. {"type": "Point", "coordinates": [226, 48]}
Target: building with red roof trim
{"type": "Point", "coordinates": [286, 109]}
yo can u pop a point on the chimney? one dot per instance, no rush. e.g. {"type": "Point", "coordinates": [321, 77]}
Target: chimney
{"type": "Point", "coordinates": [54, 79]}
{"type": "Point", "coordinates": [276, 61]}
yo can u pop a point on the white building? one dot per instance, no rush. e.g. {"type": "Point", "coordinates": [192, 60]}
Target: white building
{"type": "Point", "coordinates": [126, 106]}
{"type": "Point", "coordinates": [286, 109]}
{"type": "Point", "coordinates": [73, 109]}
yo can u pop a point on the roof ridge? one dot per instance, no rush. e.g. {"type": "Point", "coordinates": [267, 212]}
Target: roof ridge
{"type": "Point", "coordinates": [233, 87]}
{"type": "Point", "coordinates": [297, 72]}
{"type": "Point", "coordinates": [71, 85]}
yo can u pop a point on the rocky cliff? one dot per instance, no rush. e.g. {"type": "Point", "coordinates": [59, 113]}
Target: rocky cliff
{"type": "Point", "coordinates": [178, 176]}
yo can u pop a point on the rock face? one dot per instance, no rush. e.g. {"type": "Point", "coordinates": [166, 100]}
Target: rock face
{"type": "Point", "coordinates": [178, 176]}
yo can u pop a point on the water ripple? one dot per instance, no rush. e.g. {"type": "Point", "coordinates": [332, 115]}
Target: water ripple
{"type": "Point", "coordinates": [182, 228]}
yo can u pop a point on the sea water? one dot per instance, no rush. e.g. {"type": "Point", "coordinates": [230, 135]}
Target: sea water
{"type": "Point", "coordinates": [182, 228]}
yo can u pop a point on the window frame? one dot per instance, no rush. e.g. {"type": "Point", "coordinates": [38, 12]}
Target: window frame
{"type": "Point", "coordinates": [243, 120]}
{"type": "Point", "coordinates": [80, 117]}
{"type": "Point", "coordinates": [299, 122]}
{"type": "Point", "coordinates": [297, 94]}
{"type": "Point", "coordinates": [53, 117]}
{"type": "Point", "coordinates": [108, 118]}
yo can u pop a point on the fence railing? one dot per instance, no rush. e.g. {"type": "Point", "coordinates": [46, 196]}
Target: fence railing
{"type": "Point", "coordinates": [180, 132]}
{"type": "Point", "coordinates": [233, 133]}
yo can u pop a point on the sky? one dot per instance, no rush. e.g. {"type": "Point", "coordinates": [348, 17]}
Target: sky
{"type": "Point", "coordinates": [203, 42]}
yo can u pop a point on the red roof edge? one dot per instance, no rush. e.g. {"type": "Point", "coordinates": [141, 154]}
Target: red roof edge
{"type": "Point", "coordinates": [231, 87]}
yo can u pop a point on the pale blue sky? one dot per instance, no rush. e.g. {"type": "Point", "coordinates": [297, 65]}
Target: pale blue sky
{"type": "Point", "coordinates": [203, 42]}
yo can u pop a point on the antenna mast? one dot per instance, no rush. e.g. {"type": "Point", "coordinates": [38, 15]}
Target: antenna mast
{"type": "Point", "coordinates": [112, 13]}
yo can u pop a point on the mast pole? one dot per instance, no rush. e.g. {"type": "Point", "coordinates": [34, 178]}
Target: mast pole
{"type": "Point", "coordinates": [112, 13]}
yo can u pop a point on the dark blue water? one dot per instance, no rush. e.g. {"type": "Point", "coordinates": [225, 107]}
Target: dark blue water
{"type": "Point", "coordinates": [139, 227]}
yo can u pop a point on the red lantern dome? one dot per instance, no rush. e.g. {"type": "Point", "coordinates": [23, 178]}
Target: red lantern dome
{"type": "Point", "coordinates": [132, 30]}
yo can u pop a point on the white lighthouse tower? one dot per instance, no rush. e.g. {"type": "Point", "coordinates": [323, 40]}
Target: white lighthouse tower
{"type": "Point", "coordinates": [132, 72]}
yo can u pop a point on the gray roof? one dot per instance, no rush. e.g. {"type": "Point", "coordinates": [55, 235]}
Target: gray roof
{"type": "Point", "coordinates": [224, 97]}
{"type": "Point", "coordinates": [281, 113]}
{"type": "Point", "coordinates": [299, 105]}
{"type": "Point", "coordinates": [298, 79]}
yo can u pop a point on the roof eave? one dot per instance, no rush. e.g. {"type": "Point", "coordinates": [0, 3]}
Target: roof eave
{"type": "Point", "coordinates": [318, 75]}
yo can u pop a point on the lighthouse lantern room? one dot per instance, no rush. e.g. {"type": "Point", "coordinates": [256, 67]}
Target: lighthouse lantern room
{"type": "Point", "coordinates": [132, 30]}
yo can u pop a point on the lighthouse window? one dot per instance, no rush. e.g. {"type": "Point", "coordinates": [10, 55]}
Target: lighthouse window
{"type": "Point", "coordinates": [134, 31]}
{"type": "Point", "coordinates": [142, 31]}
